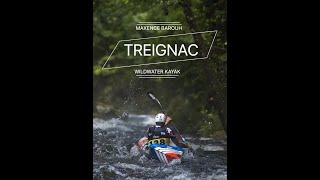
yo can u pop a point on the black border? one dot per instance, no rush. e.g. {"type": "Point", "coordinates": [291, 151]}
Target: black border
{"type": "Point", "coordinates": [49, 94]}
{"type": "Point", "coordinates": [48, 89]}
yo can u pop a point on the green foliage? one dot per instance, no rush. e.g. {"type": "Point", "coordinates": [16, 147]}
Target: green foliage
{"type": "Point", "coordinates": [211, 126]}
{"type": "Point", "coordinates": [196, 99]}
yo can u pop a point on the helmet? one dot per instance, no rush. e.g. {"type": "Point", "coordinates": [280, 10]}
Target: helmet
{"type": "Point", "coordinates": [160, 118]}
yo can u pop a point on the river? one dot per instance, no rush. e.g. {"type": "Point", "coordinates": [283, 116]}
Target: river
{"type": "Point", "coordinates": [116, 156]}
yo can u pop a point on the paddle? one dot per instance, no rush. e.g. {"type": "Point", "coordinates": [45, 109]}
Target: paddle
{"type": "Point", "coordinates": [157, 102]}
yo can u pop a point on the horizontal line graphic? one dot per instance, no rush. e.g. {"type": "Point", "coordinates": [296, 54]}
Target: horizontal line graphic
{"type": "Point", "coordinates": [145, 77]}
{"type": "Point", "coordinates": [159, 22]}
{"type": "Point", "coordinates": [156, 75]}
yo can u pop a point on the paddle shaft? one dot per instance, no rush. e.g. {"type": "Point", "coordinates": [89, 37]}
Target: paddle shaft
{"type": "Point", "coordinates": [156, 101]}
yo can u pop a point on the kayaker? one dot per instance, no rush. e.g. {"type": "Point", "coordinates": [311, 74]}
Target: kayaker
{"type": "Point", "coordinates": [159, 134]}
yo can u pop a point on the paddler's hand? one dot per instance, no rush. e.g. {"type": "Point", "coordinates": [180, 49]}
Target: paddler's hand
{"type": "Point", "coordinates": [186, 144]}
{"type": "Point", "coordinates": [190, 150]}
{"type": "Point", "coordinates": [168, 120]}
{"type": "Point", "coordinates": [189, 146]}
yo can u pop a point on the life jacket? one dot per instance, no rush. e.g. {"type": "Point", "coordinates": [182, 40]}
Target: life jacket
{"type": "Point", "coordinates": [159, 135]}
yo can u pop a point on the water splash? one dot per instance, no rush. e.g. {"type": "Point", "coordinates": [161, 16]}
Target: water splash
{"type": "Point", "coordinates": [132, 167]}
{"type": "Point", "coordinates": [143, 159]}
{"type": "Point", "coordinates": [211, 147]}
{"type": "Point", "coordinates": [184, 176]}
{"type": "Point", "coordinates": [110, 124]}
{"type": "Point", "coordinates": [123, 152]}
{"type": "Point", "coordinates": [174, 162]}
{"type": "Point", "coordinates": [134, 151]}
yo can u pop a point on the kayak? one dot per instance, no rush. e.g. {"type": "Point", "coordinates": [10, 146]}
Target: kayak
{"type": "Point", "coordinates": [162, 153]}
{"type": "Point", "coordinates": [143, 144]}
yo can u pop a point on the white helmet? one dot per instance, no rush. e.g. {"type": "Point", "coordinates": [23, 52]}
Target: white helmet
{"type": "Point", "coordinates": [160, 117]}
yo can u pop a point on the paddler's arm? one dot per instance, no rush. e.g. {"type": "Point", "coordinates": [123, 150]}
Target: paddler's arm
{"type": "Point", "coordinates": [173, 137]}
{"type": "Point", "coordinates": [167, 120]}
